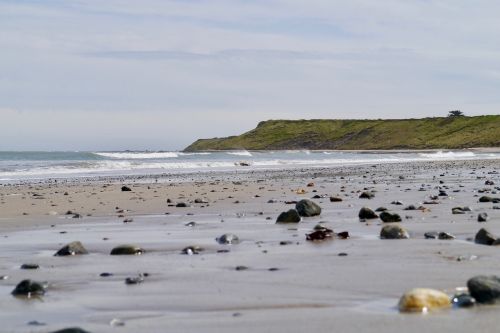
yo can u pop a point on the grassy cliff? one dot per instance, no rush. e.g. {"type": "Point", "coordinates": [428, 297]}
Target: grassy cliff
{"type": "Point", "coordinates": [427, 133]}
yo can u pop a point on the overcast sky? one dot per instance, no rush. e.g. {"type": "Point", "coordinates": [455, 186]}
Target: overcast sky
{"type": "Point", "coordinates": [158, 74]}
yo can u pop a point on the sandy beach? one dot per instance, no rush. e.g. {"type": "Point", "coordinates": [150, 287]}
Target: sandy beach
{"type": "Point", "coordinates": [273, 280]}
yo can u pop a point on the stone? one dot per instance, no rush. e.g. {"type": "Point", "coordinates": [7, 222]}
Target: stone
{"type": "Point", "coordinates": [306, 207]}
{"type": "Point", "coordinates": [388, 217]}
{"type": "Point", "coordinates": [485, 199]}
{"type": "Point", "coordinates": [200, 201]}
{"type": "Point", "coordinates": [319, 235]}
{"type": "Point", "coordinates": [485, 289]}
{"type": "Point", "coordinates": [71, 330]}
{"type": "Point", "coordinates": [190, 250]}
{"type": "Point", "coordinates": [463, 300]}
{"type": "Point", "coordinates": [457, 210]}
{"type": "Point", "coordinates": [291, 216]}
{"type": "Point", "coordinates": [431, 235]}
{"type": "Point", "coordinates": [423, 300]}
{"type": "Point", "coordinates": [367, 195]}
{"type": "Point", "coordinates": [393, 231]}
{"type": "Point", "coordinates": [381, 209]}
{"type": "Point", "coordinates": [335, 199]}
{"type": "Point", "coordinates": [126, 250]}
{"type": "Point", "coordinates": [181, 205]}
{"type": "Point", "coordinates": [482, 217]}
{"type": "Point", "coordinates": [30, 266]}
{"type": "Point", "coordinates": [445, 236]}
{"type": "Point", "coordinates": [134, 280]}
{"type": "Point", "coordinates": [126, 189]}
{"type": "Point", "coordinates": [484, 237]}
{"type": "Point", "coordinates": [71, 249]}
{"type": "Point", "coordinates": [410, 207]}
{"type": "Point", "coordinates": [228, 239]}
{"type": "Point", "coordinates": [366, 213]}
{"type": "Point", "coordinates": [29, 288]}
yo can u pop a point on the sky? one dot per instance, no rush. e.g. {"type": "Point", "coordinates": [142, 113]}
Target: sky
{"type": "Point", "coordinates": [159, 74]}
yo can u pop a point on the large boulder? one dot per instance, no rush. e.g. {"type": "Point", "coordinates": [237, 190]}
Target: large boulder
{"type": "Point", "coordinates": [485, 289]}
{"type": "Point", "coordinates": [71, 249]}
{"type": "Point", "coordinates": [423, 300]}
{"type": "Point", "coordinates": [306, 207]}
{"type": "Point", "coordinates": [291, 216]}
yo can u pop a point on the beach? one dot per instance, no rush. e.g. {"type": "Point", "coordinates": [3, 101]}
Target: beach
{"type": "Point", "coordinates": [273, 279]}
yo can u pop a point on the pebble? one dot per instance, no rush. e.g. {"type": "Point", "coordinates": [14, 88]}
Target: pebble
{"type": "Point", "coordinates": [228, 239]}
{"type": "Point", "coordinates": [126, 250]}
{"type": "Point", "coordinates": [393, 231]}
{"type": "Point", "coordinates": [71, 249]}
{"type": "Point", "coordinates": [423, 300]}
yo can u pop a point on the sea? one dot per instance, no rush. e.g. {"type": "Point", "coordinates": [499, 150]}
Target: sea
{"type": "Point", "coordinates": [25, 166]}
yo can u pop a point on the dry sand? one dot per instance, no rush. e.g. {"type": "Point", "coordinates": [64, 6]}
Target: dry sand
{"type": "Point", "coordinates": [297, 287]}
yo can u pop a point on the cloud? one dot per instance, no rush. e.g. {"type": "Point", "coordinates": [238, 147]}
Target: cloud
{"type": "Point", "coordinates": [218, 67]}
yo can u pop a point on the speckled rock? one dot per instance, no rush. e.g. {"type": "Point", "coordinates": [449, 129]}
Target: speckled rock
{"type": "Point", "coordinates": [393, 231]}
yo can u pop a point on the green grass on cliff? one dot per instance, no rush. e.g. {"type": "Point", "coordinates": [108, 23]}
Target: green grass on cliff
{"type": "Point", "coordinates": [427, 133]}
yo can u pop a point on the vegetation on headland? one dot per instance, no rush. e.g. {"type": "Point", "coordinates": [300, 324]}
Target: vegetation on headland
{"type": "Point", "coordinates": [427, 133]}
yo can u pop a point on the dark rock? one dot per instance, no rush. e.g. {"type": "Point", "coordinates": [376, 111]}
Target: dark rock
{"type": "Point", "coordinates": [410, 207]}
{"type": "Point", "coordinates": [463, 301]}
{"type": "Point", "coordinates": [126, 189]}
{"type": "Point", "coordinates": [181, 205]}
{"type": "Point", "coordinates": [190, 224]}
{"type": "Point", "coordinates": [30, 266]}
{"type": "Point", "coordinates": [484, 237]}
{"type": "Point", "coordinates": [445, 236]}
{"type": "Point", "coordinates": [482, 217]}
{"type": "Point", "coordinates": [127, 250]}
{"type": "Point", "coordinates": [489, 182]}
{"type": "Point", "coordinates": [485, 199]}
{"type": "Point", "coordinates": [335, 199]}
{"type": "Point", "coordinates": [200, 201]}
{"type": "Point", "coordinates": [106, 274]}
{"type": "Point", "coordinates": [306, 207]}
{"type": "Point", "coordinates": [366, 213]}
{"type": "Point", "coordinates": [71, 249]}
{"type": "Point", "coordinates": [388, 217]}
{"type": "Point", "coordinates": [443, 194]}
{"type": "Point", "coordinates": [71, 330]}
{"type": "Point", "coordinates": [134, 280]}
{"type": "Point", "coordinates": [367, 195]}
{"type": "Point", "coordinates": [457, 210]}
{"type": "Point", "coordinates": [381, 209]}
{"type": "Point", "coordinates": [398, 203]}
{"type": "Point", "coordinates": [241, 268]}
{"type": "Point", "coordinates": [485, 289]}
{"type": "Point", "coordinates": [190, 250]}
{"type": "Point", "coordinates": [431, 235]}
{"type": "Point", "coordinates": [228, 239]}
{"type": "Point", "coordinates": [343, 235]}
{"type": "Point", "coordinates": [320, 235]}
{"type": "Point", "coordinates": [291, 216]}
{"type": "Point", "coordinates": [29, 288]}
{"type": "Point", "coordinates": [394, 231]}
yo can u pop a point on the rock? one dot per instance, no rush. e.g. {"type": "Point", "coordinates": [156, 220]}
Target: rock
{"type": "Point", "coordinates": [367, 195]}
{"type": "Point", "coordinates": [463, 300]}
{"type": "Point", "coordinates": [307, 208]}
{"type": "Point", "coordinates": [445, 236]}
{"type": "Point", "coordinates": [134, 280]}
{"type": "Point", "coordinates": [410, 207]}
{"type": "Point", "coordinates": [489, 182]}
{"type": "Point", "coordinates": [228, 239]}
{"type": "Point", "coordinates": [71, 249]}
{"type": "Point", "coordinates": [423, 300]}
{"type": "Point", "coordinates": [291, 216]}
{"type": "Point", "coordinates": [190, 250]}
{"type": "Point", "coordinates": [335, 199]}
{"type": "Point", "coordinates": [482, 217]}
{"type": "Point", "coordinates": [343, 235]}
{"type": "Point", "coordinates": [398, 203]}
{"type": "Point", "coordinates": [126, 250]}
{"type": "Point", "coordinates": [484, 237]}
{"type": "Point", "coordinates": [200, 201]}
{"type": "Point", "coordinates": [394, 231]}
{"type": "Point", "coordinates": [431, 235]}
{"type": "Point", "coordinates": [126, 189]}
{"type": "Point", "coordinates": [457, 210]}
{"type": "Point", "coordinates": [388, 217]}
{"type": "Point", "coordinates": [30, 266]}
{"type": "Point", "coordinates": [485, 199]}
{"type": "Point", "coordinates": [71, 330]}
{"type": "Point", "coordinates": [366, 213]}
{"type": "Point", "coordinates": [29, 288]}
{"type": "Point", "coordinates": [319, 235]}
{"type": "Point", "coordinates": [381, 209]}
{"type": "Point", "coordinates": [485, 289]}
{"type": "Point", "coordinates": [181, 204]}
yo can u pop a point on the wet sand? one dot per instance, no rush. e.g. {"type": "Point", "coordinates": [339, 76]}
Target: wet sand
{"type": "Point", "coordinates": [289, 284]}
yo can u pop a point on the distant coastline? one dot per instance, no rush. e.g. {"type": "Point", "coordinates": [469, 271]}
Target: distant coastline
{"type": "Point", "coordinates": [480, 132]}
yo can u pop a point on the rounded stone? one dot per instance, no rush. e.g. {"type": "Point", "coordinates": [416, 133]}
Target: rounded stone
{"type": "Point", "coordinates": [366, 213]}
{"type": "Point", "coordinates": [306, 207]}
{"type": "Point", "coordinates": [228, 239]}
{"type": "Point", "coordinates": [127, 250]}
{"type": "Point", "coordinates": [291, 216]}
{"type": "Point", "coordinates": [388, 217]}
{"type": "Point", "coordinates": [423, 300]}
{"type": "Point", "coordinates": [393, 231]}
{"type": "Point", "coordinates": [485, 289]}
{"type": "Point", "coordinates": [29, 288]}
{"type": "Point", "coordinates": [71, 249]}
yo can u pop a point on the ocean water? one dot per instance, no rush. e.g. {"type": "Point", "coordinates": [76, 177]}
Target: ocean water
{"type": "Point", "coordinates": [16, 166]}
